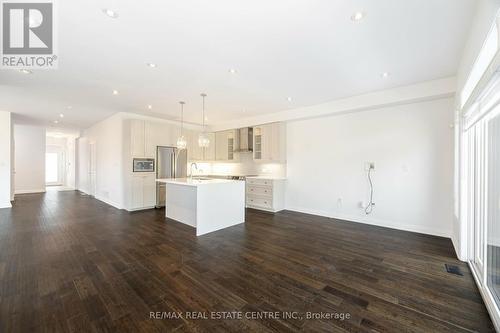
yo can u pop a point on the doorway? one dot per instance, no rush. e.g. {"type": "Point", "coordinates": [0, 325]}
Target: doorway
{"type": "Point", "coordinates": [54, 168]}
{"type": "Point", "coordinates": [481, 192]}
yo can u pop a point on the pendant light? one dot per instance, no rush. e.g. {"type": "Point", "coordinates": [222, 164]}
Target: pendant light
{"type": "Point", "coordinates": [181, 140]}
{"type": "Point", "coordinates": [203, 140]}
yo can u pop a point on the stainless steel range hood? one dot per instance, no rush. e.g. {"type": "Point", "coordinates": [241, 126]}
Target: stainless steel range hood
{"type": "Point", "coordinates": [245, 136]}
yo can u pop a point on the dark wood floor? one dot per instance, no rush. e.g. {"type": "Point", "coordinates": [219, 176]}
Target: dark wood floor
{"type": "Point", "coordinates": [71, 263]}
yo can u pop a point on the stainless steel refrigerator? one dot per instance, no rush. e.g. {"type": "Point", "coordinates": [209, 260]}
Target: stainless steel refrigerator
{"type": "Point", "coordinates": [170, 163]}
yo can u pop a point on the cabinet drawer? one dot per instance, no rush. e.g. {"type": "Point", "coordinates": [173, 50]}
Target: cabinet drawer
{"type": "Point", "coordinates": [260, 190]}
{"type": "Point", "coordinates": [256, 181]}
{"type": "Point", "coordinates": [259, 202]}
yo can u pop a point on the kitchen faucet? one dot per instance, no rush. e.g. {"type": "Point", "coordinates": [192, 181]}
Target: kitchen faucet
{"type": "Point", "coordinates": [196, 166]}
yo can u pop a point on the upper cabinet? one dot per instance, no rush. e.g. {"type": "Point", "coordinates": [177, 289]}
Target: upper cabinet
{"type": "Point", "coordinates": [226, 143]}
{"type": "Point", "coordinates": [145, 136]}
{"type": "Point", "coordinates": [197, 153]}
{"type": "Point", "coordinates": [137, 138]}
{"type": "Point", "coordinates": [269, 142]}
{"type": "Point", "coordinates": [209, 152]}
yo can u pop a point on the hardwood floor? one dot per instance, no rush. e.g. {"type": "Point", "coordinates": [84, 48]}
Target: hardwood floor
{"type": "Point", "coordinates": [69, 263]}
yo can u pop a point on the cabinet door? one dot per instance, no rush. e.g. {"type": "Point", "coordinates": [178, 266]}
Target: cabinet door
{"type": "Point", "coordinates": [137, 195]}
{"type": "Point", "coordinates": [278, 142]}
{"type": "Point", "coordinates": [209, 153]}
{"type": "Point", "coordinates": [221, 146]}
{"type": "Point", "coordinates": [137, 139]}
{"type": "Point", "coordinates": [149, 190]}
{"type": "Point", "coordinates": [198, 151]}
{"type": "Point", "coordinates": [165, 134]}
{"type": "Point", "coordinates": [231, 145]}
{"type": "Point", "coordinates": [151, 138]}
{"type": "Point", "coordinates": [267, 131]}
{"type": "Point", "coordinates": [257, 143]}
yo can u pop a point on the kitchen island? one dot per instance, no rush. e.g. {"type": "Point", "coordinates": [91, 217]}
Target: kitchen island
{"type": "Point", "coordinates": [205, 204]}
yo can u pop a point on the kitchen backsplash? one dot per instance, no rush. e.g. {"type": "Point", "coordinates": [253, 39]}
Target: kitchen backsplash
{"type": "Point", "coordinates": [245, 166]}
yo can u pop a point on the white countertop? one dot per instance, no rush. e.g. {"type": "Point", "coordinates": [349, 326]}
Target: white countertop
{"type": "Point", "coordinates": [194, 181]}
{"type": "Point", "coordinates": [266, 177]}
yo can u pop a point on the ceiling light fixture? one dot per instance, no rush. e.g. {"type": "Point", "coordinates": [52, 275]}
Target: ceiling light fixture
{"type": "Point", "coordinates": [56, 121]}
{"type": "Point", "coordinates": [289, 99]}
{"type": "Point", "coordinates": [232, 71]}
{"type": "Point", "coordinates": [150, 64]}
{"type": "Point", "coordinates": [61, 115]}
{"type": "Point", "coordinates": [110, 13]}
{"type": "Point", "coordinates": [203, 140]}
{"type": "Point", "coordinates": [385, 75]}
{"type": "Point", "coordinates": [26, 71]}
{"type": "Point", "coordinates": [115, 92]}
{"type": "Point", "coordinates": [358, 16]}
{"type": "Point", "coordinates": [150, 106]}
{"type": "Point", "coordinates": [181, 140]}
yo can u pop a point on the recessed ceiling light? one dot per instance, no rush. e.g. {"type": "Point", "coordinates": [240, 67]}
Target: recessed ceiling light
{"type": "Point", "coordinates": [150, 106]}
{"type": "Point", "coordinates": [115, 92]}
{"type": "Point", "coordinates": [232, 71]}
{"type": "Point", "coordinates": [25, 71]}
{"type": "Point", "coordinates": [56, 121]}
{"type": "Point", "coordinates": [358, 16]}
{"type": "Point", "coordinates": [110, 13]}
{"type": "Point", "coordinates": [289, 99]}
{"type": "Point", "coordinates": [61, 115]}
{"type": "Point", "coordinates": [150, 64]}
{"type": "Point", "coordinates": [206, 118]}
{"type": "Point", "coordinates": [385, 75]}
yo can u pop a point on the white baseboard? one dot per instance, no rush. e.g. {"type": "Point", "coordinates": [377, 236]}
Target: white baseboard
{"type": "Point", "coordinates": [107, 201]}
{"type": "Point", "coordinates": [29, 191]}
{"type": "Point", "coordinates": [377, 222]}
{"type": "Point", "coordinates": [5, 205]}
{"type": "Point", "coordinates": [138, 209]}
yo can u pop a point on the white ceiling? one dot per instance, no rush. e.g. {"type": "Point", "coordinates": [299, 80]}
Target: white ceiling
{"type": "Point", "coordinates": [308, 49]}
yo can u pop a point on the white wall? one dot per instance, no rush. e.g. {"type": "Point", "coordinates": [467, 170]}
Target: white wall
{"type": "Point", "coordinates": [108, 139]}
{"type": "Point", "coordinates": [412, 147]}
{"type": "Point", "coordinates": [82, 167]}
{"type": "Point", "coordinates": [5, 159]}
{"type": "Point", "coordinates": [29, 159]}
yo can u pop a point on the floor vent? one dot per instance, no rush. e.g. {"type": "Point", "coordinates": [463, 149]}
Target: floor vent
{"type": "Point", "coordinates": [452, 269]}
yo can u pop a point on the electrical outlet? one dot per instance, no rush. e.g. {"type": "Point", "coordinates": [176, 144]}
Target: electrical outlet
{"type": "Point", "coordinates": [369, 165]}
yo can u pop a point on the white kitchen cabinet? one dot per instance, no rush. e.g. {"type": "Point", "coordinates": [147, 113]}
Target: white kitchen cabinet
{"type": "Point", "coordinates": [143, 192]}
{"type": "Point", "coordinates": [270, 142]}
{"type": "Point", "coordinates": [195, 152]}
{"type": "Point", "coordinates": [226, 144]}
{"type": "Point", "coordinates": [145, 136]}
{"type": "Point", "coordinates": [160, 134]}
{"type": "Point", "coordinates": [266, 194]}
{"type": "Point", "coordinates": [151, 138]}
{"type": "Point", "coordinates": [137, 138]}
{"type": "Point", "coordinates": [221, 146]}
{"type": "Point", "coordinates": [209, 152]}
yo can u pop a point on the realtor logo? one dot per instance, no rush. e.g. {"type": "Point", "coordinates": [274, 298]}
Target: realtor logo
{"type": "Point", "coordinates": [28, 35]}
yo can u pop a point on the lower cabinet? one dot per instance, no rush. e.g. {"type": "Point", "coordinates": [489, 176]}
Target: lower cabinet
{"type": "Point", "coordinates": [265, 194]}
{"type": "Point", "coordinates": [143, 191]}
